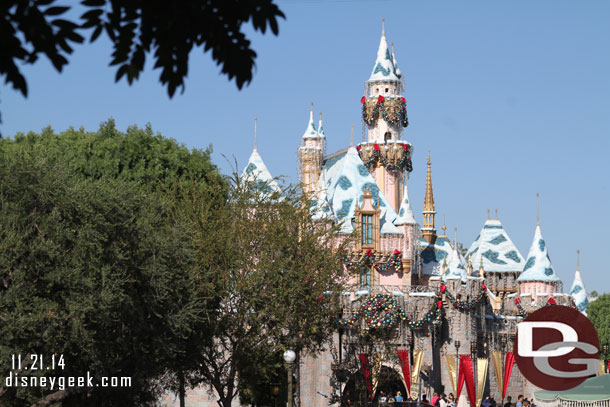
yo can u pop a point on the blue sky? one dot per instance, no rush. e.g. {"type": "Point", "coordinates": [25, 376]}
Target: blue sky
{"type": "Point", "coordinates": [512, 98]}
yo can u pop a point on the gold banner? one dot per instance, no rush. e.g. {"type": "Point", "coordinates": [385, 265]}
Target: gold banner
{"type": "Point", "coordinates": [482, 364]}
{"type": "Point", "coordinates": [418, 357]}
{"type": "Point", "coordinates": [602, 368]}
{"type": "Point", "coordinates": [496, 357]}
{"type": "Point", "coordinates": [376, 369]}
{"type": "Point", "coordinates": [451, 368]}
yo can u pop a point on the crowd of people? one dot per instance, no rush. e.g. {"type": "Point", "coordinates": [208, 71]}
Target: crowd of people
{"type": "Point", "coordinates": [443, 400]}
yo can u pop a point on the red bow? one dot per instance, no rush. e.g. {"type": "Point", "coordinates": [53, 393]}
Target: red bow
{"type": "Point", "coordinates": [405, 147]}
{"type": "Point", "coordinates": [443, 288]}
{"type": "Point", "coordinates": [380, 98]}
{"type": "Point", "coordinates": [369, 252]}
{"type": "Point", "coordinates": [483, 287]}
{"type": "Point", "coordinates": [376, 147]}
{"type": "Point", "coordinates": [552, 301]}
{"type": "Point", "coordinates": [439, 304]}
{"type": "Point", "coordinates": [363, 99]}
{"type": "Point", "coordinates": [358, 148]}
{"type": "Point", "coordinates": [397, 252]}
{"type": "Point", "coordinates": [517, 300]}
{"type": "Point", "coordinates": [307, 279]}
{"type": "Point", "coordinates": [403, 99]}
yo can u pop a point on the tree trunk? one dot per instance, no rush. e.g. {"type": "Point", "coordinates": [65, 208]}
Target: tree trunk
{"type": "Point", "coordinates": [181, 392]}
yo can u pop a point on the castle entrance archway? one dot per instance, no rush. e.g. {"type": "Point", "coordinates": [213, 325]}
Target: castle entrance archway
{"type": "Point", "coordinates": [355, 395]}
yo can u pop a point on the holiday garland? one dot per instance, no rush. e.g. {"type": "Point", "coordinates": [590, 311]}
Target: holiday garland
{"type": "Point", "coordinates": [369, 259]}
{"type": "Point", "coordinates": [382, 311]}
{"type": "Point", "coordinates": [404, 163]}
{"type": "Point", "coordinates": [465, 304]}
{"type": "Point", "coordinates": [523, 313]}
{"type": "Point", "coordinates": [392, 114]}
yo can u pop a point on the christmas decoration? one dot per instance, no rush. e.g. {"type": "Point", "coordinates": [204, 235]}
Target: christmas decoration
{"type": "Point", "coordinates": [465, 304]}
{"type": "Point", "coordinates": [404, 163]}
{"type": "Point", "coordinates": [551, 301]}
{"type": "Point", "coordinates": [392, 109]}
{"type": "Point", "coordinates": [394, 262]}
{"type": "Point", "coordinates": [382, 311]}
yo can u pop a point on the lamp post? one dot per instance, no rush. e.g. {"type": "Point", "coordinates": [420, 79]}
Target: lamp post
{"type": "Point", "coordinates": [289, 358]}
{"type": "Point", "coordinates": [275, 391]}
{"type": "Point", "coordinates": [473, 353]}
{"type": "Point", "coordinates": [457, 364]}
{"type": "Point", "coordinates": [503, 342]}
{"type": "Point", "coordinates": [605, 351]}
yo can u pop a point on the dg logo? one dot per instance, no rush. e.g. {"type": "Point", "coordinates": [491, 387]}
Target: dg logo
{"type": "Point", "coordinates": [556, 348]}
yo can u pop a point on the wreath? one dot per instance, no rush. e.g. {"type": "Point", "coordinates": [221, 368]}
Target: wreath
{"type": "Point", "coordinates": [393, 110]}
{"type": "Point", "coordinates": [464, 304]}
{"type": "Point", "coordinates": [369, 259]}
{"type": "Point", "coordinates": [404, 163]}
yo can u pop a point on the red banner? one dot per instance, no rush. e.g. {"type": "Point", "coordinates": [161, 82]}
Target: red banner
{"type": "Point", "coordinates": [508, 368]}
{"type": "Point", "coordinates": [366, 372]}
{"type": "Point", "coordinates": [467, 374]}
{"type": "Point", "coordinates": [403, 356]}
{"type": "Point", "coordinates": [460, 381]}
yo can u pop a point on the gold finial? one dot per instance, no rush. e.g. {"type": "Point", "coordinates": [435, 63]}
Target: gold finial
{"type": "Point", "coordinates": [444, 230]}
{"type": "Point", "coordinates": [537, 209]}
{"type": "Point", "coordinates": [383, 26]}
{"type": "Point", "coordinates": [320, 116]}
{"type": "Point", "coordinates": [351, 140]}
{"type": "Point", "coordinates": [488, 214]}
{"type": "Point", "coordinates": [496, 213]}
{"type": "Point", "coordinates": [312, 107]}
{"type": "Point", "coordinates": [455, 237]}
{"type": "Point", "coordinates": [392, 48]}
{"type": "Point", "coordinates": [577, 260]}
{"type": "Point", "coordinates": [255, 120]}
{"type": "Point", "coordinates": [429, 162]}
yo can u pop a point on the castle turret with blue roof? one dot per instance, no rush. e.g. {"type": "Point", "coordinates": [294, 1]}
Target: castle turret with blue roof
{"type": "Point", "coordinates": [578, 292]}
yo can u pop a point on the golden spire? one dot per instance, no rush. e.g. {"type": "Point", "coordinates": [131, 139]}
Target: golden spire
{"type": "Point", "coordinates": [428, 231]}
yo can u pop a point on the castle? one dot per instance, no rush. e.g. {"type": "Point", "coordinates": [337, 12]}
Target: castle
{"type": "Point", "coordinates": [414, 296]}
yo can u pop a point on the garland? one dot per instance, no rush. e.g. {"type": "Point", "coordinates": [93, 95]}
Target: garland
{"type": "Point", "coordinates": [465, 304]}
{"type": "Point", "coordinates": [368, 258]}
{"type": "Point", "coordinates": [404, 163]}
{"type": "Point", "coordinates": [523, 313]}
{"type": "Point", "coordinates": [395, 118]}
{"type": "Point", "coordinates": [383, 311]}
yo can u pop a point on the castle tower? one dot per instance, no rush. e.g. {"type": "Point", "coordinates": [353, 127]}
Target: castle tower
{"type": "Point", "coordinates": [538, 277]}
{"type": "Point", "coordinates": [385, 114]}
{"type": "Point", "coordinates": [429, 212]}
{"type": "Point", "coordinates": [578, 292]}
{"type": "Point", "coordinates": [311, 155]}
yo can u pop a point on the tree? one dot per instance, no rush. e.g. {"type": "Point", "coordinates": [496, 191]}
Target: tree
{"type": "Point", "coordinates": [91, 270]}
{"type": "Point", "coordinates": [169, 30]}
{"type": "Point", "coordinates": [277, 279]}
{"type": "Point", "coordinates": [598, 312]}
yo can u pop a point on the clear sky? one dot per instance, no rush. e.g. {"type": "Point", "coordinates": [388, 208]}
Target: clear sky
{"type": "Point", "coordinates": [512, 98]}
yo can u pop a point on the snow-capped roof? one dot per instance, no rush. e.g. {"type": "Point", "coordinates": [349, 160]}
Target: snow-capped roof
{"type": "Point", "coordinates": [433, 255]}
{"type": "Point", "coordinates": [579, 293]}
{"type": "Point", "coordinates": [538, 266]}
{"type": "Point", "coordinates": [321, 132]}
{"type": "Point", "coordinates": [455, 266]}
{"type": "Point", "coordinates": [384, 69]}
{"type": "Point", "coordinates": [496, 249]}
{"type": "Point", "coordinates": [256, 171]}
{"type": "Point", "coordinates": [310, 131]}
{"type": "Point", "coordinates": [405, 213]}
{"type": "Point", "coordinates": [396, 68]}
{"type": "Point", "coordinates": [345, 178]}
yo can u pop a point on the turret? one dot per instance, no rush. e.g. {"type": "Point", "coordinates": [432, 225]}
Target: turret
{"type": "Point", "coordinates": [311, 155]}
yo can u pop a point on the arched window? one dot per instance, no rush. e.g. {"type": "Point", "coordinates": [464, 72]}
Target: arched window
{"type": "Point", "coordinates": [387, 136]}
{"type": "Point", "coordinates": [365, 277]}
{"type": "Point", "coordinates": [367, 229]}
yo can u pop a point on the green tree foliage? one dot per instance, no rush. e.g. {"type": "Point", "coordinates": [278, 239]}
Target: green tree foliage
{"type": "Point", "coordinates": [167, 29]}
{"type": "Point", "coordinates": [91, 271]}
{"type": "Point", "coordinates": [140, 155]}
{"type": "Point", "coordinates": [277, 282]}
{"type": "Point", "coordinates": [598, 312]}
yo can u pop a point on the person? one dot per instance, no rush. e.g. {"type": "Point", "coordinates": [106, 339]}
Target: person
{"type": "Point", "coordinates": [424, 399]}
{"type": "Point", "coordinates": [382, 397]}
{"type": "Point", "coordinates": [487, 402]}
{"type": "Point", "coordinates": [442, 402]}
{"type": "Point", "coordinates": [398, 397]}
{"type": "Point", "coordinates": [434, 400]}
{"type": "Point", "coordinates": [526, 403]}
{"type": "Point", "coordinates": [451, 400]}
{"type": "Point", "coordinates": [519, 401]}
{"type": "Point", "coordinates": [509, 402]}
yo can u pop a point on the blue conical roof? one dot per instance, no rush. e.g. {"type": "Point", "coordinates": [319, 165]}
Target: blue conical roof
{"type": "Point", "coordinates": [497, 250]}
{"type": "Point", "coordinates": [310, 131]}
{"type": "Point", "coordinates": [405, 213]}
{"type": "Point", "coordinates": [256, 171]}
{"type": "Point", "coordinates": [579, 293]}
{"type": "Point", "coordinates": [384, 69]}
{"type": "Point", "coordinates": [538, 266]}
{"type": "Point", "coordinates": [456, 268]}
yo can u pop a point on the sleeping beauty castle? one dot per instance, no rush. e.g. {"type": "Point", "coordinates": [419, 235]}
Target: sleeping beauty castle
{"type": "Point", "coordinates": [420, 313]}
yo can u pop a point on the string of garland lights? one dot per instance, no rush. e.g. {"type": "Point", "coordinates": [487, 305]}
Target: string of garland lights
{"type": "Point", "coordinates": [382, 311]}
{"type": "Point", "coordinates": [464, 304]}
{"type": "Point", "coordinates": [551, 301]}
{"type": "Point", "coordinates": [392, 110]}
{"type": "Point", "coordinates": [394, 262]}
{"type": "Point", "coordinates": [404, 163]}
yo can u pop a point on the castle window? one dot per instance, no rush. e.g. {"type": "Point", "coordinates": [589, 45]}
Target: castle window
{"type": "Point", "coordinates": [387, 136]}
{"type": "Point", "coordinates": [387, 90]}
{"type": "Point", "coordinates": [376, 90]}
{"type": "Point", "coordinates": [367, 229]}
{"type": "Point", "coordinates": [365, 277]}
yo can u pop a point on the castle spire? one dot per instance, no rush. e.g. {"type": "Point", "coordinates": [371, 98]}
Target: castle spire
{"type": "Point", "coordinates": [320, 128]}
{"type": "Point", "coordinates": [310, 131]}
{"type": "Point", "coordinates": [428, 231]}
{"type": "Point", "coordinates": [384, 69]}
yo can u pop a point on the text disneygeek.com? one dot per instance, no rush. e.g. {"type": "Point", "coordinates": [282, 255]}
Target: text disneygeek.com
{"type": "Point", "coordinates": [63, 382]}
